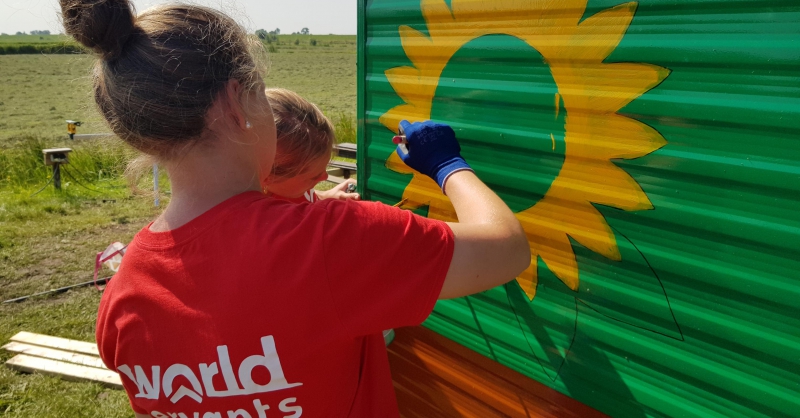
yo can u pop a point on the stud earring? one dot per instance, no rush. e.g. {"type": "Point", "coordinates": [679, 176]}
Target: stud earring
{"type": "Point", "coordinates": [248, 125]}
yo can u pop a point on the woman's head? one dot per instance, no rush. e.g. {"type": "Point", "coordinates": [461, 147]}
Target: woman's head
{"type": "Point", "coordinates": [161, 72]}
{"type": "Point", "coordinates": [305, 141]}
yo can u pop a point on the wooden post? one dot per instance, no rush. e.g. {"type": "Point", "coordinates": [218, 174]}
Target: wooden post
{"type": "Point", "coordinates": [55, 157]}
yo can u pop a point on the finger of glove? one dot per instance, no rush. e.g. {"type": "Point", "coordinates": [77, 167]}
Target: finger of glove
{"type": "Point", "coordinates": [405, 126]}
{"type": "Point", "coordinates": [402, 151]}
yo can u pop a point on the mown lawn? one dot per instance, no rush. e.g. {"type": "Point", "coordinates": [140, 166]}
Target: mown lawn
{"type": "Point", "coordinates": [49, 240]}
{"type": "Point", "coordinates": [39, 92]}
{"type": "Point", "coordinates": [33, 39]}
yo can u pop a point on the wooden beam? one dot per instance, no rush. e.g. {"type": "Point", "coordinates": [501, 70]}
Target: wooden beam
{"type": "Point", "coordinates": [54, 354]}
{"type": "Point", "coordinates": [333, 171]}
{"type": "Point", "coordinates": [345, 165]}
{"type": "Point", "coordinates": [64, 370]}
{"type": "Point", "coordinates": [335, 179]}
{"type": "Point", "coordinates": [57, 343]}
{"type": "Point", "coordinates": [346, 150]}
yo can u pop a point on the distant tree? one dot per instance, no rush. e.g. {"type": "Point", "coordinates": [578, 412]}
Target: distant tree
{"type": "Point", "coordinates": [20, 33]}
{"type": "Point", "coordinates": [40, 32]}
{"type": "Point", "coordinates": [262, 34]}
{"type": "Point", "coordinates": [277, 31]}
{"type": "Point", "coordinates": [305, 31]}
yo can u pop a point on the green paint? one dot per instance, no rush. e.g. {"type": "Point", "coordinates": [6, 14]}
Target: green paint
{"type": "Point", "coordinates": [699, 318]}
{"type": "Point", "coordinates": [499, 96]}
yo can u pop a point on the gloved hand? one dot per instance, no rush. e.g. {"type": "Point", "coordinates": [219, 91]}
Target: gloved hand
{"type": "Point", "coordinates": [431, 149]}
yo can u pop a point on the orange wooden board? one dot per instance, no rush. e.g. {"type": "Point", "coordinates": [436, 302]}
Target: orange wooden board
{"type": "Point", "coordinates": [435, 377]}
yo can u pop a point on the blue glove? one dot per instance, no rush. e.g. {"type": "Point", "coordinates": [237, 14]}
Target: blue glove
{"type": "Point", "coordinates": [432, 149]}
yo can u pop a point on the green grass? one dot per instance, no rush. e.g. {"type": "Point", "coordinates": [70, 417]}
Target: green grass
{"type": "Point", "coordinates": [41, 91]}
{"type": "Point", "coordinates": [34, 39]}
{"type": "Point", "coordinates": [49, 240]}
{"type": "Point", "coordinates": [37, 44]}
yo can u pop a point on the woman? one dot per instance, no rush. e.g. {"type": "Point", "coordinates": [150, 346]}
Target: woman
{"type": "Point", "coordinates": [234, 304]}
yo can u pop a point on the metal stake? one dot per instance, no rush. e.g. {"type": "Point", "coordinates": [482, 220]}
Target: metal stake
{"type": "Point", "coordinates": [57, 176]}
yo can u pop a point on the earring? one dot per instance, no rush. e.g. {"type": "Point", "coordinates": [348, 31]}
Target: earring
{"type": "Point", "coordinates": [248, 125]}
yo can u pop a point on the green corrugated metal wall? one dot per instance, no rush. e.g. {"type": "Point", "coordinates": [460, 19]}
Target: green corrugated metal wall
{"type": "Point", "coordinates": [652, 152]}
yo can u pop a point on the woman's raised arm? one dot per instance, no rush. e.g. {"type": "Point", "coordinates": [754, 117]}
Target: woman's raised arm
{"type": "Point", "coordinates": [490, 245]}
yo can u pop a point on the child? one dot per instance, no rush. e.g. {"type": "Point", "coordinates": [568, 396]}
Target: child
{"type": "Point", "coordinates": [305, 141]}
{"type": "Point", "coordinates": [234, 304]}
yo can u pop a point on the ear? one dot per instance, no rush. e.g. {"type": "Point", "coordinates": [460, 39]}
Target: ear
{"type": "Point", "coordinates": [233, 103]}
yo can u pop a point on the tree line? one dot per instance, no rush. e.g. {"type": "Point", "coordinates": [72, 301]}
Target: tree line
{"type": "Point", "coordinates": [33, 32]}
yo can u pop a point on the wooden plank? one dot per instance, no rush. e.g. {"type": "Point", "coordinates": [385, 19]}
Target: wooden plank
{"type": "Point", "coordinates": [346, 168]}
{"type": "Point", "coordinates": [64, 370]}
{"type": "Point", "coordinates": [333, 171]}
{"type": "Point", "coordinates": [436, 377]}
{"type": "Point", "coordinates": [53, 354]}
{"type": "Point", "coordinates": [347, 146]}
{"type": "Point", "coordinates": [335, 179]}
{"type": "Point", "coordinates": [57, 343]}
{"type": "Point", "coordinates": [346, 150]}
{"type": "Point", "coordinates": [343, 165]}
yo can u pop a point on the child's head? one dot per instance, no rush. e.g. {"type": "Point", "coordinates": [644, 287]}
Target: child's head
{"type": "Point", "coordinates": [305, 141]}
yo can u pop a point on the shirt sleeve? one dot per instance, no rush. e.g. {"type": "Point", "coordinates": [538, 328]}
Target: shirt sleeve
{"type": "Point", "coordinates": [385, 266]}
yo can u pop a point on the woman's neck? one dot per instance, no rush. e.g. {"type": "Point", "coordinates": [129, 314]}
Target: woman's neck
{"type": "Point", "coordinates": [205, 177]}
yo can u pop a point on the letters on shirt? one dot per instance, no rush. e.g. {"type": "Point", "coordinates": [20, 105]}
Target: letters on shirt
{"type": "Point", "coordinates": [260, 411]}
{"type": "Point", "coordinates": [150, 387]}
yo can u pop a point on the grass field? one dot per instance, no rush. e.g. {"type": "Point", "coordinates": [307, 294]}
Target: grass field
{"type": "Point", "coordinates": [40, 91]}
{"type": "Point", "coordinates": [49, 240]}
{"type": "Point", "coordinates": [27, 44]}
{"type": "Point", "coordinates": [33, 39]}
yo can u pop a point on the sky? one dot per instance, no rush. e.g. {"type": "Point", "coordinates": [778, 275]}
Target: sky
{"type": "Point", "coordinates": [319, 16]}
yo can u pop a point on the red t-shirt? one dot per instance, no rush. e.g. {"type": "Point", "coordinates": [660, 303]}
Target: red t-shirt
{"type": "Point", "coordinates": [264, 308]}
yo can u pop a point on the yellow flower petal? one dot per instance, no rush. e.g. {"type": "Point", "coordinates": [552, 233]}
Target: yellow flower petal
{"type": "Point", "coordinates": [600, 181]}
{"type": "Point", "coordinates": [411, 113]}
{"type": "Point", "coordinates": [529, 279]}
{"type": "Point", "coordinates": [592, 93]}
{"type": "Point", "coordinates": [605, 137]}
{"type": "Point", "coordinates": [605, 88]}
{"type": "Point", "coordinates": [406, 83]}
{"type": "Point", "coordinates": [556, 252]}
{"type": "Point", "coordinates": [437, 15]}
{"type": "Point", "coordinates": [600, 34]}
